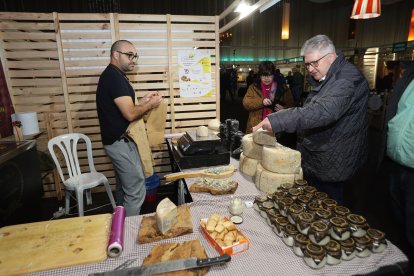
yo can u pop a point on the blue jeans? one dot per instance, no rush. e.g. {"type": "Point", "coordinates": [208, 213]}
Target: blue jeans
{"type": "Point", "coordinates": [402, 197]}
{"type": "Point", "coordinates": [130, 179]}
{"type": "Point", "coordinates": [335, 190]}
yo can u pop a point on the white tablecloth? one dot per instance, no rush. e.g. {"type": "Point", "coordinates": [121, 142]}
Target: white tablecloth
{"type": "Point", "coordinates": [267, 255]}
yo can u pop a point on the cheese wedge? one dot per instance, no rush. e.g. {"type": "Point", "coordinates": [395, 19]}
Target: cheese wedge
{"type": "Point", "coordinates": [280, 159]}
{"type": "Point", "coordinates": [248, 165]}
{"type": "Point", "coordinates": [166, 215]}
{"type": "Point", "coordinates": [264, 137]}
{"type": "Point", "coordinates": [250, 148]}
{"type": "Point", "coordinates": [268, 182]}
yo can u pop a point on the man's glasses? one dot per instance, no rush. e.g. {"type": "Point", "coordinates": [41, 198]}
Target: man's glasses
{"type": "Point", "coordinates": [131, 56]}
{"type": "Point", "coordinates": [314, 63]}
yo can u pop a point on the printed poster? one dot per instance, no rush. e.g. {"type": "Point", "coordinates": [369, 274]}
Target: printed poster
{"type": "Point", "coordinates": [195, 73]}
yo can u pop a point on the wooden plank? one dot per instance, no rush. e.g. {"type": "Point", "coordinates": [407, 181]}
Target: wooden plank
{"type": "Point", "coordinates": [85, 26]}
{"type": "Point", "coordinates": [62, 71]}
{"type": "Point", "coordinates": [142, 17]}
{"type": "Point", "coordinates": [114, 17]}
{"type": "Point", "coordinates": [86, 35]}
{"type": "Point", "coordinates": [32, 54]}
{"type": "Point", "coordinates": [201, 114]}
{"type": "Point", "coordinates": [26, 26]}
{"type": "Point", "coordinates": [86, 45]}
{"type": "Point", "coordinates": [89, 88]}
{"type": "Point", "coordinates": [34, 64]}
{"type": "Point", "coordinates": [24, 35]}
{"type": "Point", "coordinates": [25, 45]}
{"type": "Point", "coordinates": [192, 44]}
{"type": "Point", "coordinates": [192, 18]}
{"type": "Point", "coordinates": [198, 27]}
{"type": "Point", "coordinates": [38, 91]}
{"type": "Point", "coordinates": [216, 68]}
{"type": "Point", "coordinates": [35, 99]}
{"type": "Point", "coordinates": [25, 16]}
{"type": "Point", "coordinates": [84, 16]}
{"type": "Point", "coordinates": [192, 35]}
{"type": "Point", "coordinates": [84, 72]}
{"type": "Point", "coordinates": [85, 63]}
{"type": "Point", "coordinates": [83, 98]}
{"type": "Point", "coordinates": [36, 82]}
{"type": "Point", "coordinates": [142, 26]}
{"type": "Point", "coordinates": [182, 108]}
{"type": "Point", "coordinates": [5, 64]}
{"type": "Point", "coordinates": [171, 88]}
{"type": "Point", "coordinates": [84, 80]}
{"type": "Point", "coordinates": [33, 73]}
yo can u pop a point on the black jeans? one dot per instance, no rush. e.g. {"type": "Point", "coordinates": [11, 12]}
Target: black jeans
{"type": "Point", "coordinates": [335, 190]}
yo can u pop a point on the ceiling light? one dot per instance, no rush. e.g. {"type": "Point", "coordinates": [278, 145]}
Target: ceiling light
{"type": "Point", "coordinates": [365, 9]}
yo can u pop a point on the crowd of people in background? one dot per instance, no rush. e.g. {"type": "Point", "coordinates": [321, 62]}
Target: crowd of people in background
{"type": "Point", "coordinates": [331, 121]}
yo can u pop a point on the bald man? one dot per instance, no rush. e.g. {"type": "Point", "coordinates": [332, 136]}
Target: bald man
{"type": "Point", "coordinates": [115, 100]}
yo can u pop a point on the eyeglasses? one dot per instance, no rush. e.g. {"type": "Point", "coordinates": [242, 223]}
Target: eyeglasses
{"type": "Point", "coordinates": [314, 63]}
{"type": "Point", "coordinates": [131, 56]}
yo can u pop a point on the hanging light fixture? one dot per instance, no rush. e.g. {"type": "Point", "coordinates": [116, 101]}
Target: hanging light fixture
{"type": "Point", "coordinates": [285, 20]}
{"type": "Point", "coordinates": [366, 9]}
{"type": "Point", "coordinates": [411, 31]}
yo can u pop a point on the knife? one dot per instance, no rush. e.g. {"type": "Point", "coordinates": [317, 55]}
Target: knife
{"type": "Point", "coordinates": [170, 266]}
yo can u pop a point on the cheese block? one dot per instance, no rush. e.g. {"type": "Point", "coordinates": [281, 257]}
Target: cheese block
{"type": "Point", "coordinates": [166, 215]}
{"type": "Point", "coordinates": [280, 159]}
{"type": "Point", "coordinates": [268, 182]}
{"type": "Point", "coordinates": [214, 124]}
{"type": "Point", "coordinates": [264, 137]}
{"type": "Point", "coordinates": [250, 148]}
{"type": "Point", "coordinates": [202, 131]}
{"type": "Point", "coordinates": [248, 165]}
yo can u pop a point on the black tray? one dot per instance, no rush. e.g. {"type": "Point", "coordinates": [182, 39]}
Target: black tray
{"type": "Point", "coordinates": [221, 156]}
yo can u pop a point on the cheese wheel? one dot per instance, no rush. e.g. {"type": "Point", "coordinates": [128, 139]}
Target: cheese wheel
{"type": "Point", "coordinates": [268, 182]}
{"type": "Point", "coordinates": [264, 137]}
{"type": "Point", "coordinates": [250, 148]}
{"type": "Point", "coordinates": [248, 165]}
{"type": "Point", "coordinates": [202, 131]}
{"type": "Point", "coordinates": [214, 124]}
{"type": "Point", "coordinates": [280, 159]}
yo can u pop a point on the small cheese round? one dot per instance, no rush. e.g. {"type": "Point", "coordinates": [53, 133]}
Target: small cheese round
{"type": "Point", "coordinates": [214, 125]}
{"type": "Point", "coordinates": [250, 148]}
{"type": "Point", "coordinates": [264, 137]}
{"type": "Point", "coordinates": [202, 131]}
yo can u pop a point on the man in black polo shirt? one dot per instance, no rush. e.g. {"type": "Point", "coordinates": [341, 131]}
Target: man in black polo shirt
{"type": "Point", "coordinates": [115, 100]}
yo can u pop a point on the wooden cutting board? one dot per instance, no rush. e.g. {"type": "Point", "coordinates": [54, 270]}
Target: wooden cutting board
{"type": "Point", "coordinates": [46, 245]}
{"type": "Point", "coordinates": [213, 172]}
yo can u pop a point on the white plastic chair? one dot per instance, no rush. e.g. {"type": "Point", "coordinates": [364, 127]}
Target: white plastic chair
{"type": "Point", "coordinates": [77, 181]}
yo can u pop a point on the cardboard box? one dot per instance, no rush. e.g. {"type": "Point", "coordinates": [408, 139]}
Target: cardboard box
{"type": "Point", "coordinates": [237, 247]}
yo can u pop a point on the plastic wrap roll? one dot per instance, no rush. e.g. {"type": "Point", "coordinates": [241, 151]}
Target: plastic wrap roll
{"type": "Point", "coordinates": [116, 239]}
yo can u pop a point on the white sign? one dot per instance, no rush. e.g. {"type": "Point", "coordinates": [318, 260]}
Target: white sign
{"type": "Point", "coordinates": [195, 73]}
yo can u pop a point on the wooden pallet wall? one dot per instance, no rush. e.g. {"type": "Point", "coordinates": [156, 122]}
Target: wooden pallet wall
{"type": "Point", "coordinates": [52, 63]}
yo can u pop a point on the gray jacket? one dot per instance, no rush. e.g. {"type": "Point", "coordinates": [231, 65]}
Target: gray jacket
{"type": "Point", "coordinates": [332, 125]}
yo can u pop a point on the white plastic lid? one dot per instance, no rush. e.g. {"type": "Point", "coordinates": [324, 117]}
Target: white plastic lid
{"type": "Point", "coordinates": [236, 219]}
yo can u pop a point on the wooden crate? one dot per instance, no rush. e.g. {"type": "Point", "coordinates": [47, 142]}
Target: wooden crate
{"type": "Point", "coordinates": [52, 63]}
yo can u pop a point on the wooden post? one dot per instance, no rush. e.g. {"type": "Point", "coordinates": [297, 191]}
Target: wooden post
{"type": "Point", "coordinates": [218, 66]}
{"type": "Point", "coordinates": [63, 72]}
{"type": "Point", "coordinates": [170, 74]}
{"type": "Point", "coordinates": [56, 178]}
